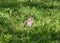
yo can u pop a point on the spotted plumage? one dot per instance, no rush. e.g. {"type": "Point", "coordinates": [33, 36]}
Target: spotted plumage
{"type": "Point", "coordinates": [29, 22]}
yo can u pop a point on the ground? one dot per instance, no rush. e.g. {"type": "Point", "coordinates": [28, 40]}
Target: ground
{"type": "Point", "coordinates": [46, 27]}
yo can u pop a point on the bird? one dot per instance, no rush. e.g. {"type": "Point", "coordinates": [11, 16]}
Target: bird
{"type": "Point", "coordinates": [29, 22]}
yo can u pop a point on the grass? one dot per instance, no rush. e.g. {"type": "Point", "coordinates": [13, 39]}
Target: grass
{"type": "Point", "coordinates": [46, 28]}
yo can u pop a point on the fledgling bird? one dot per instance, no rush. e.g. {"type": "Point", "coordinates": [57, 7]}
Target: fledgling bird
{"type": "Point", "coordinates": [29, 22]}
